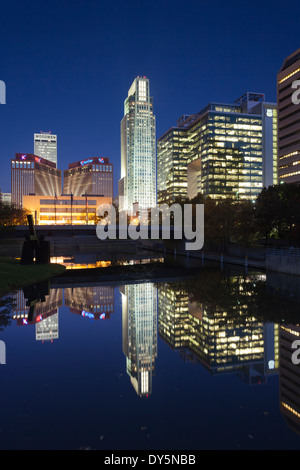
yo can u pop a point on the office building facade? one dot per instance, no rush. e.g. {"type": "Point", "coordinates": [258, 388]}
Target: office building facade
{"type": "Point", "coordinates": [5, 198]}
{"type": "Point", "coordinates": [92, 176]}
{"type": "Point", "coordinates": [225, 151]}
{"type": "Point", "coordinates": [45, 146]}
{"type": "Point", "coordinates": [64, 210]}
{"type": "Point", "coordinates": [31, 174]}
{"type": "Point", "coordinates": [288, 101]}
{"type": "Point", "coordinates": [289, 376]}
{"type": "Point", "coordinates": [137, 185]}
{"type": "Point", "coordinates": [172, 154]}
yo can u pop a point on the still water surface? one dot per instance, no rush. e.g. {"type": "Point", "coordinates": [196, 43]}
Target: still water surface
{"type": "Point", "coordinates": [197, 364]}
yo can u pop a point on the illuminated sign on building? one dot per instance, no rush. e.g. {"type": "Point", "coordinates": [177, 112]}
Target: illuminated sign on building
{"type": "Point", "coordinates": [87, 314]}
{"type": "Point", "coordinates": [85, 162]}
{"type": "Point", "coordinates": [101, 160]}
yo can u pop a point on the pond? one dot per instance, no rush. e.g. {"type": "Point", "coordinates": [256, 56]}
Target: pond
{"type": "Point", "coordinates": [202, 363]}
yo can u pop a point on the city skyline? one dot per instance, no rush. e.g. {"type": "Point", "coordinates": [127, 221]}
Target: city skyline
{"type": "Point", "coordinates": [150, 227]}
{"type": "Point", "coordinates": [73, 93]}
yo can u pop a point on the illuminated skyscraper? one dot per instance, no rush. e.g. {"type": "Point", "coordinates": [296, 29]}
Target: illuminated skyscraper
{"type": "Point", "coordinates": [92, 176]}
{"type": "Point", "coordinates": [45, 146]}
{"type": "Point", "coordinates": [33, 175]}
{"type": "Point", "coordinates": [172, 160]}
{"type": "Point", "coordinates": [137, 184]}
{"type": "Point", "coordinates": [224, 151]}
{"type": "Point", "coordinates": [288, 119]}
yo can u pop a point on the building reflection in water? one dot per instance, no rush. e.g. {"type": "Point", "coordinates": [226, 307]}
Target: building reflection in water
{"type": "Point", "coordinates": [223, 340]}
{"type": "Point", "coordinates": [38, 305]}
{"type": "Point", "coordinates": [95, 302]}
{"type": "Point", "coordinates": [221, 343]}
{"type": "Point", "coordinates": [139, 327]}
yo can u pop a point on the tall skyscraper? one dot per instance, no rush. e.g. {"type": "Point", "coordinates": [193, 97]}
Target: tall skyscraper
{"type": "Point", "coordinates": [137, 184]}
{"type": "Point", "coordinates": [288, 120]}
{"type": "Point", "coordinates": [92, 176]}
{"type": "Point", "coordinates": [172, 161]}
{"type": "Point", "coordinates": [224, 151]}
{"type": "Point", "coordinates": [45, 146]}
{"type": "Point", "coordinates": [33, 175]}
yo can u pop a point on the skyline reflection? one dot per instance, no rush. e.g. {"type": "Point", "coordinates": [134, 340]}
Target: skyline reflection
{"type": "Point", "coordinates": [227, 323]}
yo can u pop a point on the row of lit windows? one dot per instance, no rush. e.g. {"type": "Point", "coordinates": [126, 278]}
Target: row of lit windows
{"type": "Point", "coordinates": [290, 174]}
{"type": "Point", "coordinates": [67, 202]}
{"type": "Point", "coordinates": [289, 75]}
{"type": "Point", "coordinates": [53, 210]}
{"type": "Point", "coordinates": [102, 167]}
{"type": "Point", "coordinates": [22, 164]}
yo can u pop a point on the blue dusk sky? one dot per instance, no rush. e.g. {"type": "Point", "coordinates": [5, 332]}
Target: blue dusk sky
{"type": "Point", "coordinates": [68, 65]}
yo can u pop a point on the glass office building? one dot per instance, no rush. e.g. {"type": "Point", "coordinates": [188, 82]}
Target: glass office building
{"type": "Point", "coordinates": [229, 150]}
{"type": "Point", "coordinates": [137, 185]}
{"type": "Point", "coordinates": [172, 153]}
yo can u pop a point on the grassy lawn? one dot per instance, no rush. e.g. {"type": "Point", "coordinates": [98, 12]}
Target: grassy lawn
{"type": "Point", "coordinates": [13, 275]}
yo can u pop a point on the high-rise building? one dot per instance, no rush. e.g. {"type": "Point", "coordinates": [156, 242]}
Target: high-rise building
{"type": "Point", "coordinates": [137, 185]}
{"type": "Point", "coordinates": [289, 119]}
{"type": "Point", "coordinates": [45, 146]}
{"type": "Point", "coordinates": [224, 151]}
{"type": "Point", "coordinates": [93, 176]}
{"type": "Point", "coordinates": [33, 175]}
{"type": "Point", "coordinates": [172, 154]}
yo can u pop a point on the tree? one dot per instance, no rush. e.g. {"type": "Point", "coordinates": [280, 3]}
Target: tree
{"type": "Point", "coordinates": [289, 194]}
{"type": "Point", "coordinates": [268, 211]}
{"type": "Point", "coordinates": [10, 216]}
{"type": "Point", "coordinates": [245, 229]}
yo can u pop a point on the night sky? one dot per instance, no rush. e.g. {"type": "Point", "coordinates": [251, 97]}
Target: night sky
{"type": "Point", "coordinates": [68, 65]}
